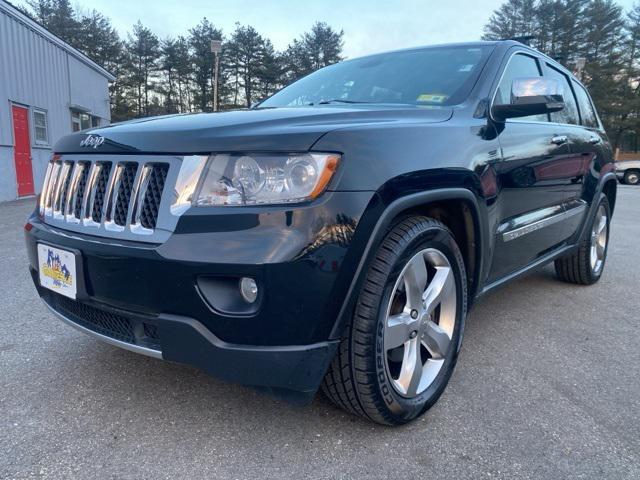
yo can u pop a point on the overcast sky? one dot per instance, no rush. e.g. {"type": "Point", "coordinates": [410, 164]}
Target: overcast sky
{"type": "Point", "coordinates": [369, 25]}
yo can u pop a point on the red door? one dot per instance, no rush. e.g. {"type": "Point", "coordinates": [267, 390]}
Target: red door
{"type": "Point", "coordinates": [22, 149]}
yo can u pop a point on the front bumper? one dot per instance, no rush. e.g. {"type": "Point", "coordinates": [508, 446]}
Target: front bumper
{"type": "Point", "coordinates": [304, 263]}
{"type": "Point", "coordinates": [292, 372]}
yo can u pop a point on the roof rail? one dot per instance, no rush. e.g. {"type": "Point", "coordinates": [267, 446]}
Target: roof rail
{"type": "Point", "coordinates": [524, 39]}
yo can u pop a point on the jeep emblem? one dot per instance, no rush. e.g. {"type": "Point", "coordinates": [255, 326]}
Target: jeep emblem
{"type": "Point", "coordinates": [93, 141]}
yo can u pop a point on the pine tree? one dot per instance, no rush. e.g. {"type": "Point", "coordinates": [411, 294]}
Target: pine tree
{"type": "Point", "coordinates": [318, 48]}
{"type": "Point", "coordinates": [251, 65]}
{"type": "Point", "coordinates": [143, 52]}
{"type": "Point", "coordinates": [515, 18]}
{"type": "Point", "coordinates": [59, 18]}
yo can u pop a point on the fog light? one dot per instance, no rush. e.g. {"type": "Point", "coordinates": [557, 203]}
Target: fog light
{"type": "Point", "coordinates": [248, 289]}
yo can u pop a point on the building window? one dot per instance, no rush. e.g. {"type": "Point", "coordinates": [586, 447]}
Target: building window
{"type": "Point", "coordinates": [41, 127]}
{"type": "Point", "coordinates": [83, 121]}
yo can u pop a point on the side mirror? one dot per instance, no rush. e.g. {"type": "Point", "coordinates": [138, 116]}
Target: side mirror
{"type": "Point", "coordinates": [530, 96]}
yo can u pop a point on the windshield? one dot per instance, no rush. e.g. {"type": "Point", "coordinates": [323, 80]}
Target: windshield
{"type": "Point", "coordinates": [430, 76]}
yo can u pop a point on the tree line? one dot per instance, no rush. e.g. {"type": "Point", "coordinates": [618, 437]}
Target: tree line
{"type": "Point", "coordinates": [156, 76]}
{"type": "Point", "coordinates": [594, 38]}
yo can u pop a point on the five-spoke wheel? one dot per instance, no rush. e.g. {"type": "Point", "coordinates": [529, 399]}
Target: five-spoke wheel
{"type": "Point", "coordinates": [420, 319]}
{"type": "Point", "coordinates": [599, 237]}
{"type": "Point", "coordinates": [402, 345]}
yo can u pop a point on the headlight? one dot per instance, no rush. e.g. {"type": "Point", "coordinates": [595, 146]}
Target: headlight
{"type": "Point", "coordinates": [265, 178]}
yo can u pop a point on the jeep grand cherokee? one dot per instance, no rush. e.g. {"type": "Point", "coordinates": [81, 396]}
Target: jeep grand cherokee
{"type": "Point", "coordinates": [335, 235]}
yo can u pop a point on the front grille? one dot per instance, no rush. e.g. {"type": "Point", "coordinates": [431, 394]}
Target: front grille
{"type": "Point", "coordinates": [100, 192]}
{"type": "Point", "coordinates": [126, 194]}
{"type": "Point", "coordinates": [80, 188]}
{"type": "Point", "coordinates": [151, 203]}
{"type": "Point", "coordinates": [125, 329]}
{"type": "Point", "coordinates": [123, 198]}
{"type": "Point", "coordinates": [65, 188]}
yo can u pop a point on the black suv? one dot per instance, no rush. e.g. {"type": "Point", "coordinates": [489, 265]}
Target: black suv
{"type": "Point", "coordinates": [336, 234]}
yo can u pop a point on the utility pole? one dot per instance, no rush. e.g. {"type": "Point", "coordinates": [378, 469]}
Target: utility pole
{"type": "Point", "coordinates": [216, 48]}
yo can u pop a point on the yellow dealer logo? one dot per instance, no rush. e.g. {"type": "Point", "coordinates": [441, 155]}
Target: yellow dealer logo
{"type": "Point", "coordinates": [57, 270]}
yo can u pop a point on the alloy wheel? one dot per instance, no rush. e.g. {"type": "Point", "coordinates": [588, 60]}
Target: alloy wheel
{"type": "Point", "coordinates": [599, 237]}
{"type": "Point", "coordinates": [419, 322]}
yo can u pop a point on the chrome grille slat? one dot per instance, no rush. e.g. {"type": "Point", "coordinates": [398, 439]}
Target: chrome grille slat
{"type": "Point", "coordinates": [45, 188]}
{"type": "Point", "coordinates": [69, 207]}
{"type": "Point", "coordinates": [53, 181]}
{"type": "Point", "coordinates": [85, 211]}
{"type": "Point", "coordinates": [64, 194]}
{"type": "Point", "coordinates": [140, 193]}
{"type": "Point", "coordinates": [111, 196]}
{"type": "Point", "coordinates": [61, 183]}
{"type": "Point", "coordinates": [113, 193]}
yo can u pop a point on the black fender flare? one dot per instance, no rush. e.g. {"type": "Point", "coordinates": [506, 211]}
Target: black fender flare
{"type": "Point", "coordinates": [602, 181]}
{"type": "Point", "coordinates": [384, 222]}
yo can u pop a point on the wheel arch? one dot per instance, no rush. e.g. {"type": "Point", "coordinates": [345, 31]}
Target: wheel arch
{"type": "Point", "coordinates": [610, 189]}
{"type": "Point", "coordinates": [458, 208]}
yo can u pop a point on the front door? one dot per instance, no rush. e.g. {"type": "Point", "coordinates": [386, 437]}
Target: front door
{"type": "Point", "coordinates": [22, 150]}
{"type": "Point", "coordinates": [531, 182]}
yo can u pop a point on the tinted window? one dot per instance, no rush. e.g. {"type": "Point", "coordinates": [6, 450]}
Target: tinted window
{"type": "Point", "coordinates": [431, 76]}
{"type": "Point", "coordinates": [588, 113]}
{"type": "Point", "coordinates": [570, 112]}
{"type": "Point", "coordinates": [520, 66]}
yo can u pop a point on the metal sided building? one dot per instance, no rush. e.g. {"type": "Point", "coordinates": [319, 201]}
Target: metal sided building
{"type": "Point", "coordinates": [48, 89]}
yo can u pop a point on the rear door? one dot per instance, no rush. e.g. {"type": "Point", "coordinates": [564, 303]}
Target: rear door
{"type": "Point", "coordinates": [22, 150]}
{"type": "Point", "coordinates": [531, 179]}
{"type": "Point", "coordinates": [584, 148]}
{"type": "Point", "coordinates": [594, 148]}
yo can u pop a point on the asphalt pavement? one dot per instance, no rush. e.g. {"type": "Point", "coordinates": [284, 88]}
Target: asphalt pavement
{"type": "Point", "coordinates": [547, 386]}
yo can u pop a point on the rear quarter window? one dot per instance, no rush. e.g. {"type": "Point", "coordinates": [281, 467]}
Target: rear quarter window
{"type": "Point", "coordinates": [587, 110]}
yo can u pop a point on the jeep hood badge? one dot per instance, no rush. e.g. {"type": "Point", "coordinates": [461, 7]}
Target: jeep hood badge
{"type": "Point", "coordinates": [92, 141]}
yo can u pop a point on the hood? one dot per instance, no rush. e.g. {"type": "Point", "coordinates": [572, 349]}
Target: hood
{"type": "Point", "coordinates": [279, 129]}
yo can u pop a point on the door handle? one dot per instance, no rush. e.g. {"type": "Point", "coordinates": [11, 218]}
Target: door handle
{"type": "Point", "coordinates": [559, 139]}
{"type": "Point", "coordinates": [593, 140]}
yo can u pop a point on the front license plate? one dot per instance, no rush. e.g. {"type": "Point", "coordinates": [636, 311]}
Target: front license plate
{"type": "Point", "coordinates": [57, 270]}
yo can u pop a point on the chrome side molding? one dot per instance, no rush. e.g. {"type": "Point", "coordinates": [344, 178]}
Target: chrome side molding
{"type": "Point", "coordinates": [545, 222]}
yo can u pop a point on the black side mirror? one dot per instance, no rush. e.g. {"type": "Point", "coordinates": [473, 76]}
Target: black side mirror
{"type": "Point", "coordinates": [530, 96]}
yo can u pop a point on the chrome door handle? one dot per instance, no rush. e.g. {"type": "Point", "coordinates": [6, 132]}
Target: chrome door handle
{"type": "Point", "coordinates": [594, 140]}
{"type": "Point", "coordinates": [559, 139]}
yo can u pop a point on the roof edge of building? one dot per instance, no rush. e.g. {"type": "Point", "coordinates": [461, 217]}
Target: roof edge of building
{"type": "Point", "coordinates": [30, 23]}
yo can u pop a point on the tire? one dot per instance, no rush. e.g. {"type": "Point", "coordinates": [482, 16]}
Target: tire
{"type": "Point", "coordinates": [632, 177]}
{"type": "Point", "coordinates": [579, 267]}
{"type": "Point", "coordinates": [366, 378]}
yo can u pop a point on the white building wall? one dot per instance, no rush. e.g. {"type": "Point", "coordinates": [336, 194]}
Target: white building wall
{"type": "Point", "coordinates": [37, 72]}
{"type": "Point", "coordinates": [88, 89]}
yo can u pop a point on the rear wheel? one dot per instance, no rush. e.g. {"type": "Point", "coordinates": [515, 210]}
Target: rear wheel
{"type": "Point", "coordinates": [403, 342]}
{"type": "Point", "coordinates": [632, 177]}
{"type": "Point", "coordinates": [586, 264]}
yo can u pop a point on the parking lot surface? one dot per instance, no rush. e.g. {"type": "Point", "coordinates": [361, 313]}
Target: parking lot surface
{"type": "Point", "coordinates": [547, 386]}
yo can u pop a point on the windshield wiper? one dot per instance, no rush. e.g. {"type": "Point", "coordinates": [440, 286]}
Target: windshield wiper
{"type": "Point", "coordinates": [339, 100]}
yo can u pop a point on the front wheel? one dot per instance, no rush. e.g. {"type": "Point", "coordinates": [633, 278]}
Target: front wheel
{"type": "Point", "coordinates": [402, 345]}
